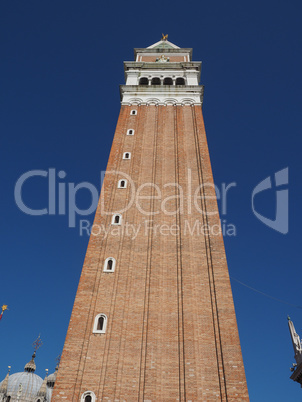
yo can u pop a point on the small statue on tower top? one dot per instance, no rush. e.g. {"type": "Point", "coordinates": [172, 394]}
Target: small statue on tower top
{"type": "Point", "coordinates": [164, 37]}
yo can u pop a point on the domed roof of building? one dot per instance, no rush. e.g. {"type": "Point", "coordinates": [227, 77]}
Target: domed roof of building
{"type": "Point", "coordinates": [30, 367]}
{"type": "Point", "coordinates": [51, 379]}
{"type": "Point", "coordinates": [25, 385]}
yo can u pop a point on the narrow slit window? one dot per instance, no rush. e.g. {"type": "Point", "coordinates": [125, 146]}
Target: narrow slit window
{"type": "Point", "coordinates": [130, 132]}
{"type": "Point", "coordinates": [122, 183]}
{"type": "Point", "coordinates": [127, 155]}
{"type": "Point", "coordinates": [133, 112]}
{"type": "Point", "coordinates": [116, 219]}
{"type": "Point", "coordinates": [109, 265]}
{"type": "Point", "coordinates": [88, 396]}
{"type": "Point", "coordinates": [100, 324]}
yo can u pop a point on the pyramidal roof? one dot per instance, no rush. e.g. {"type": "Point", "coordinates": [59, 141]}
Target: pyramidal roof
{"type": "Point", "coordinates": [163, 44]}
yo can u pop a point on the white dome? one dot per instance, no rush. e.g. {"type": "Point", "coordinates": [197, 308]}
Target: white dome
{"type": "Point", "coordinates": [26, 385]}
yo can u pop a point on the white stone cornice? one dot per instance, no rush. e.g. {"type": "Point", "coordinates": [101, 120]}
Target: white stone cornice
{"type": "Point", "coordinates": [167, 95]}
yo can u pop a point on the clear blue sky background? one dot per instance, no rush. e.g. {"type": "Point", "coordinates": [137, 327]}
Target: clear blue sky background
{"type": "Point", "coordinates": [61, 64]}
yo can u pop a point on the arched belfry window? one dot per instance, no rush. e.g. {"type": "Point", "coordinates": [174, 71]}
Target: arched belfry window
{"type": "Point", "coordinates": [143, 81]}
{"type": "Point", "coordinates": [116, 219]}
{"type": "Point", "coordinates": [109, 265]}
{"type": "Point", "coordinates": [127, 155]}
{"type": "Point", "coordinates": [122, 183]}
{"type": "Point", "coordinates": [130, 131]}
{"type": "Point", "coordinates": [100, 324]}
{"type": "Point", "coordinates": [155, 81]}
{"type": "Point", "coordinates": [168, 81]}
{"type": "Point", "coordinates": [88, 396]}
{"type": "Point", "coordinates": [180, 81]}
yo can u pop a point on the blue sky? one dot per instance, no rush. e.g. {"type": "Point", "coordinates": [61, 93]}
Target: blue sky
{"type": "Point", "coordinates": [61, 65]}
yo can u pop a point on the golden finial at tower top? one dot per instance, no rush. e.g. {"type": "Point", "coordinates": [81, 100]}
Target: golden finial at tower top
{"type": "Point", "coordinates": [164, 37]}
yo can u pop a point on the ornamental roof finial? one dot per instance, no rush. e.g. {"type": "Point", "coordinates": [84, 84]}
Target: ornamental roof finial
{"type": "Point", "coordinates": [58, 359]}
{"type": "Point", "coordinates": [4, 385]}
{"type": "Point", "coordinates": [38, 342]}
{"type": "Point", "coordinates": [43, 389]}
{"type": "Point", "coordinates": [164, 37]}
{"type": "Point", "coordinates": [30, 367]}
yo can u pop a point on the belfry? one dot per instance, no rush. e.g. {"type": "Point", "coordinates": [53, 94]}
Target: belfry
{"type": "Point", "coordinates": [153, 318]}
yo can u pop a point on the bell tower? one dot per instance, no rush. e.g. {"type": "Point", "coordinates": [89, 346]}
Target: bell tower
{"type": "Point", "coordinates": [153, 318]}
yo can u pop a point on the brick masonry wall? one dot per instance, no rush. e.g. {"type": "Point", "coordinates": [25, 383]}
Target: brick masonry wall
{"type": "Point", "coordinates": [171, 332]}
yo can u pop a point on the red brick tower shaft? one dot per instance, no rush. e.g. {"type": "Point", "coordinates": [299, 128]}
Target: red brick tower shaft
{"type": "Point", "coordinates": [153, 318]}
